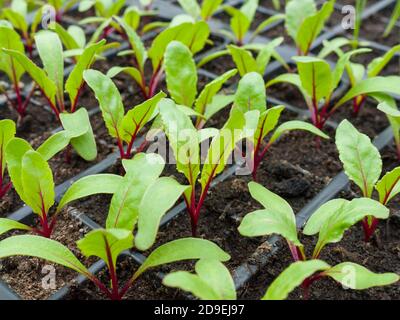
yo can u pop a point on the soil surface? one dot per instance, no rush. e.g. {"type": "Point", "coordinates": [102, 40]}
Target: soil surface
{"type": "Point", "coordinates": [27, 276]}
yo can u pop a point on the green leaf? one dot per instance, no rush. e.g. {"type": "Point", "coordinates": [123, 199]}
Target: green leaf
{"type": "Point", "coordinates": [191, 7]}
{"type": "Point", "coordinates": [240, 24]}
{"type": "Point", "coordinates": [222, 146]}
{"type": "Point", "coordinates": [219, 102]}
{"type": "Point", "coordinates": [10, 39]}
{"type": "Point", "coordinates": [212, 56]}
{"type": "Point", "coordinates": [212, 281]}
{"type": "Point", "coordinates": [292, 277]}
{"type": "Point", "coordinates": [207, 95]}
{"type": "Point", "coordinates": [294, 20]}
{"type": "Point", "coordinates": [361, 159]}
{"type": "Point", "coordinates": [50, 51]}
{"type": "Point", "coordinates": [82, 140]}
{"type": "Point", "coordinates": [135, 42]}
{"type": "Point", "coordinates": [7, 133]}
{"type": "Point", "coordinates": [389, 84]}
{"type": "Point", "coordinates": [15, 151]}
{"type": "Point", "coordinates": [156, 201]}
{"type": "Point", "coordinates": [182, 249]}
{"type": "Point", "coordinates": [45, 84]}
{"type": "Point", "coordinates": [131, 71]}
{"type": "Point", "coordinates": [141, 172]}
{"type": "Point", "coordinates": [209, 7]}
{"type": "Point", "coordinates": [90, 185]}
{"type": "Point", "coordinates": [393, 19]}
{"type": "Point", "coordinates": [66, 38]}
{"type": "Point", "coordinates": [277, 217]}
{"type": "Point", "coordinates": [16, 19]}
{"type": "Point", "coordinates": [376, 66]}
{"type": "Point", "coordinates": [43, 248]}
{"type": "Point", "coordinates": [183, 139]}
{"type": "Point", "coordinates": [109, 99]}
{"type": "Point", "coordinates": [37, 182]}
{"type": "Point", "coordinates": [347, 215]}
{"type": "Point", "coordinates": [266, 123]}
{"type": "Point", "coordinates": [354, 276]}
{"type": "Point", "coordinates": [243, 59]}
{"type": "Point", "coordinates": [136, 118]}
{"type": "Point", "coordinates": [74, 82]}
{"type": "Point", "coordinates": [316, 77]}
{"type": "Point", "coordinates": [99, 242]}
{"type": "Point", "coordinates": [54, 144]}
{"type": "Point", "coordinates": [8, 224]}
{"type": "Point", "coordinates": [296, 125]}
{"type": "Point", "coordinates": [250, 94]}
{"type": "Point", "coordinates": [389, 186]}
{"type": "Point", "coordinates": [181, 73]}
{"type": "Point", "coordinates": [249, 9]}
{"type": "Point", "coordinates": [312, 26]}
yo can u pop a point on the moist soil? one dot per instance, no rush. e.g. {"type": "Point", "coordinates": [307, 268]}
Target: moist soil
{"type": "Point", "coordinates": [25, 274]}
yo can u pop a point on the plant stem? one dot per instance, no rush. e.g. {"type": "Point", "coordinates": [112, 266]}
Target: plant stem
{"type": "Point", "coordinates": [113, 275]}
{"type": "Point", "coordinates": [369, 229]}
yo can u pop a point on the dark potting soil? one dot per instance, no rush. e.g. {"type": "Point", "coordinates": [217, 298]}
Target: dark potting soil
{"type": "Point", "coordinates": [269, 4]}
{"type": "Point", "coordinates": [370, 120]}
{"type": "Point", "coordinates": [286, 92]}
{"type": "Point", "coordinates": [25, 275]}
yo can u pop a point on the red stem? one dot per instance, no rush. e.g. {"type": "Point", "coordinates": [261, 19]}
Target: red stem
{"type": "Point", "coordinates": [114, 279]}
{"type": "Point", "coordinates": [369, 229]}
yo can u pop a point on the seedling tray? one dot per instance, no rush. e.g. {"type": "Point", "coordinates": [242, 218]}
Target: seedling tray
{"type": "Point", "coordinates": [247, 269]}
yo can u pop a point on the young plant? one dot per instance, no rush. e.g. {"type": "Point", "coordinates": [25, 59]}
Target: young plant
{"type": "Point", "coordinates": [10, 39]}
{"type": "Point", "coordinates": [357, 72]}
{"type": "Point", "coordinates": [347, 274]}
{"type": "Point", "coordinates": [185, 141]}
{"type": "Point", "coordinates": [330, 222]}
{"type": "Point", "coordinates": [140, 199]}
{"type": "Point", "coordinates": [318, 84]}
{"type": "Point", "coordinates": [212, 281]}
{"type": "Point", "coordinates": [7, 133]}
{"type": "Point", "coordinates": [30, 173]}
{"type": "Point", "coordinates": [182, 82]}
{"type": "Point", "coordinates": [50, 79]}
{"type": "Point", "coordinates": [241, 20]}
{"type": "Point", "coordinates": [200, 12]}
{"type": "Point", "coordinates": [251, 95]}
{"type": "Point", "coordinates": [193, 35]}
{"type": "Point", "coordinates": [393, 19]}
{"type": "Point", "coordinates": [304, 23]}
{"type": "Point", "coordinates": [244, 60]}
{"type": "Point", "coordinates": [125, 127]}
{"type": "Point", "coordinates": [363, 165]}
{"type": "Point", "coordinates": [17, 15]}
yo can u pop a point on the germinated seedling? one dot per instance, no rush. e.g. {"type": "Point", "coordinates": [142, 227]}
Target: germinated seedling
{"type": "Point", "coordinates": [182, 83]}
{"type": "Point", "coordinates": [10, 39]}
{"type": "Point", "coordinates": [193, 35]}
{"type": "Point", "coordinates": [185, 141]}
{"type": "Point", "coordinates": [50, 79]}
{"type": "Point", "coordinates": [30, 173]}
{"type": "Point", "coordinates": [304, 23]}
{"type": "Point", "coordinates": [363, 165]}
{"type": "Point", "coordinates": [251, 95]}
{"type": "Point", "coordinates": [330, 222]}
{"type": "Point", "coordinates": [318, 83]}
{"type": "Point", "coordinates": [140, 199]}
{"type": "Point", "coordinates": [355, 71]}
{"type": "Point", "coordinates": [125, 127]}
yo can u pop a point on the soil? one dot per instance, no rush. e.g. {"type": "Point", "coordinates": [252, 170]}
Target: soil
{"type": "Point", "coordinates": [25, 275]}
